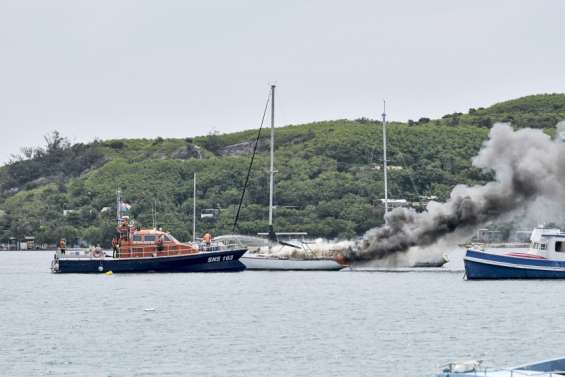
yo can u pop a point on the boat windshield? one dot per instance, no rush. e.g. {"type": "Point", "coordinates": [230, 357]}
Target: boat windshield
{"type": "Point", "coordinates": [169, 237]}
{"type": "Point", "coordinates": [538, 245]}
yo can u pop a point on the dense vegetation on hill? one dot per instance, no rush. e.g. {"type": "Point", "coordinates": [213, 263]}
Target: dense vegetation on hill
{"type": "Point", "coordinates": [538, 111]}
{"type": "Point", "coordinates": [329, 180]}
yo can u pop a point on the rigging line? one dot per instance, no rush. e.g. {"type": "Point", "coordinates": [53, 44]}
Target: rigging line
{"type": "Point", "coordinates": [251, 163]}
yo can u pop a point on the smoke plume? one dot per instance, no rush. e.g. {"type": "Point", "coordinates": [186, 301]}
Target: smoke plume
{"type": "Point", "coordinates": [527, 166]}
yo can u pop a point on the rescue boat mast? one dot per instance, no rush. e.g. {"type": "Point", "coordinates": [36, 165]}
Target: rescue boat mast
{"type": "Point", "coordinates": [118, 205]}
{"type": "Point", "coordinates": [154, 214]}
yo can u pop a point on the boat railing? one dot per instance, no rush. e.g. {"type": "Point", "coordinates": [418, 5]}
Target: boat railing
{"type": "Point", "coordinates": [220, 245]}
{"type": "Point", "coordinates": [141, 252]}
{"type": "Point", "coordinates": [74, 253]}
{"type": "Point", "coordinates": [486, 372]}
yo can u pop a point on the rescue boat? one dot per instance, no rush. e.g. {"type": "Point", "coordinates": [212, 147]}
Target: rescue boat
{"type": "Point", "coordinates": [151, 250]}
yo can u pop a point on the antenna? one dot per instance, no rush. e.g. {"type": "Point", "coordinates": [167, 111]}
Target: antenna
{"type": "Point", "coordinates": [118, 205]}
{"type": "Point", "coordinates": [154, 213]}
{"type": "Point", "coordinates": [385, 167]}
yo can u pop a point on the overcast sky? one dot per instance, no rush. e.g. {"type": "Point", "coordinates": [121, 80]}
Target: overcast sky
{"type": "Point", "coordinates": [121, 68]}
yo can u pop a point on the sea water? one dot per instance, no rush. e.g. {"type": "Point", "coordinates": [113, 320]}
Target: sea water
{"type": "Point", "coordinates": [268, 323]}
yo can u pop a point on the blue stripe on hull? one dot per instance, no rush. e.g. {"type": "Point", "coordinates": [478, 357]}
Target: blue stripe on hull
{"type": "Point", "coordinates": [515, 260]}
{"type": "Point", "coordinates": [480, 265]}
{"type": "Point", "coordinates": [181, 263]}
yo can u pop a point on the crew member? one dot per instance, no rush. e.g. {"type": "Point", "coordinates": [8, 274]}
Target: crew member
{"type": "Point", "coordinates": [115, 247]}
{"type": "Point", "coordinates": [124, 230]}
{"type": "Point", "coordinates": [62, 245]}
{"type": "Point", "coordinates": [207, 239]}
{"type": "Point", "coordinates": [161, 242]}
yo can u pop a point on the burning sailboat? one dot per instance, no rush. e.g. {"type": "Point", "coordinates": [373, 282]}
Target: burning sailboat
{"type": "Point", "coordinates": [270, 257]}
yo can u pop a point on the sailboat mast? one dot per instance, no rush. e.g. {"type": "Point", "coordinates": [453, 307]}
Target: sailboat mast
{"type": "Point", "coordinates": [194, 210]}
{"type": "Point", "coordinates": [385, 167]}
{"type": "Point", "coordinates": [272, 170]}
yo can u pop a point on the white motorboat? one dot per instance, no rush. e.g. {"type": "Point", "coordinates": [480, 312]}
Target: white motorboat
{"type": "Point", "coordinates": [471, 368]}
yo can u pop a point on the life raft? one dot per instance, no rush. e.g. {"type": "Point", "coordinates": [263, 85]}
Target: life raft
{"type": "Point", "coordinates": [97, 253]}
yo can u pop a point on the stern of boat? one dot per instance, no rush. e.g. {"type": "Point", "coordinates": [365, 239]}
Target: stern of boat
{"type": "Point", "coordinates": [55, 264]}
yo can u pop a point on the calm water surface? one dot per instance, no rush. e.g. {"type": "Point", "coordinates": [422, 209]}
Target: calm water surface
{"type": "Point", "coordinates": [267, 324]}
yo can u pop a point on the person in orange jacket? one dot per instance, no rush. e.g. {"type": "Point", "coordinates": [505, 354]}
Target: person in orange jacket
{"type": "Point", "coordinates": [115, 246]}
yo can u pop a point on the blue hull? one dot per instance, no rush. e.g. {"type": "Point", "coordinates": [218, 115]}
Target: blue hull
{"type": "Point", "coordinates": [221, 261]}
{"type": "Point", "coordinates": [484, 265]}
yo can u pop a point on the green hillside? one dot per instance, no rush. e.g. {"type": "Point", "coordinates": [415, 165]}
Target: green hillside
{"type": "Point", "coordinates": [537, 111]}
{"type": "Point", "coordinates": [329, 181]}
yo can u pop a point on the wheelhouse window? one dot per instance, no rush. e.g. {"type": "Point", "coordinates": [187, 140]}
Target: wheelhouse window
{"type": "Point", "coordinates": [149, 238]}
{"type": "Point", "coordinates": [137, 238]}
{"type": "Point", "coordinates": [543, 246]}
{"type": "Point", "coordinates": [559, 246]}
{"type": "Point", "coordinates": [171, 238]}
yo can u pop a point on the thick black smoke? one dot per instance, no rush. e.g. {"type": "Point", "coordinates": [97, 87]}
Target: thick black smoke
{"type": "Point", "coordinates": [527, 165]}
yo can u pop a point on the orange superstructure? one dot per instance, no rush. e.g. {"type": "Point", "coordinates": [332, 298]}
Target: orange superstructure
{"type": "Point", "coordinates": [149, 243]}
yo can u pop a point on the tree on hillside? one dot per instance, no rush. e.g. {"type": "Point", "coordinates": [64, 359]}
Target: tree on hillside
{"type": "Point", "coordinates": [58, 159]}
{"type": "Point", "coordinates": [213, 142]}
{"type": "Point", "coordinates": [55, 142]}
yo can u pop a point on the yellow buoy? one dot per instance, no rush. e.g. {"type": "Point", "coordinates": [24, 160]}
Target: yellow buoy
{"type": "Point", "coordinates": [109, 273]}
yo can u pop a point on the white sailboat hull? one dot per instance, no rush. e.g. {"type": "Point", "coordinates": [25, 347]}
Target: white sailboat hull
{"type": "Point", "coordinates": [254, 262]}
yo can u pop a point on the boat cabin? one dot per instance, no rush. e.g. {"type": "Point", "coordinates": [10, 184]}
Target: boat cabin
{"type": "Point", "coordinates": [547, 243]}
{"type": "Point", "coordinates": [130, 243]}
{"type": "Point", "coordinates": [148, 236]}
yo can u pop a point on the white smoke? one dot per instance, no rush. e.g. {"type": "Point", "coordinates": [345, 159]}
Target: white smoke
{"type": "Point", "coordinates": [303, 249]}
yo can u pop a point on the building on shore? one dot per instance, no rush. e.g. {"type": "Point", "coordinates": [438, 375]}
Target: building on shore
{"type": "Point", "coordinates": [23, 243]}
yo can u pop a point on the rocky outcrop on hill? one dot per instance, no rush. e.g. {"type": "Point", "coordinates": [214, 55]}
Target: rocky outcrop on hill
{"type": "Point", "coordinates": [191, 151]}
{"type": "Point", "coordinates": [239, 149]}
